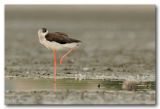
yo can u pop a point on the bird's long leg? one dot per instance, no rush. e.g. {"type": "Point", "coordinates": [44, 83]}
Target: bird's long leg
{"type": "Point", "coordinates": [61, 60]}
{"type": "Point", "coordinates": [55, 68]}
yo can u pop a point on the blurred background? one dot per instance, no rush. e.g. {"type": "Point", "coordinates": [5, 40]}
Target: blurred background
{"type": "Point", "coordinates": [115, 39]}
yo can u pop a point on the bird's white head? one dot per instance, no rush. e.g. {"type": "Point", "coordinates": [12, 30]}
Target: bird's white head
{"type": "Point", "coordinates": [42, 32]}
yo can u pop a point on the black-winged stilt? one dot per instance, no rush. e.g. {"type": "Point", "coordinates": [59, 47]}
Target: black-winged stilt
{"type": "Point", "coordinates": [57, 41]}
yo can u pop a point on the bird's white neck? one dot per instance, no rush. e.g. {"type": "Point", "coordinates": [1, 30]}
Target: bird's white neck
{"type": "Point", "coordinates": [42, 36]}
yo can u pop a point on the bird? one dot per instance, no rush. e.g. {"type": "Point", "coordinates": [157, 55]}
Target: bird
{"type": "Point", "coordinates": [57, 41]}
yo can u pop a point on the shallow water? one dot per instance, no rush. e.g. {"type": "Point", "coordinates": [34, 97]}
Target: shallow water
{"type": "Point", "coordinates": [72, 84]}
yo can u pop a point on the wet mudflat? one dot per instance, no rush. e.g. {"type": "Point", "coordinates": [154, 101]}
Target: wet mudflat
{"type": "Point", "coordinates": [115, 47]}
{"type": "Point", "coordinates": [80, 97]}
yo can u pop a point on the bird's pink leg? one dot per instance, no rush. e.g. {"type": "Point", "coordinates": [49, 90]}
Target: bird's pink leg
{"type": "Point", "coordinates": [55, 68]}
{"type": "Point", "coordinates": [61, 60]}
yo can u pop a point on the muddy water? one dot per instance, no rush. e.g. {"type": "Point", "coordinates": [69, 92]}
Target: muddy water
{"type": "Point", "coordinates": [62, 84]}
{"type": "Point", "coordinates": [69, 84]}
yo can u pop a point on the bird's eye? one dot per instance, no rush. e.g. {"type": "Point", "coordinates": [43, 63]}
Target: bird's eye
{"type": "Point", "coordinates": [44, 30]}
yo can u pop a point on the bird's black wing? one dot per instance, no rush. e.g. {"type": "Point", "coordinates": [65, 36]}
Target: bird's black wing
{"type": "Point", "coordinates": [61, 33]}
{"type": "Point", "coordinates": [59, 37]}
